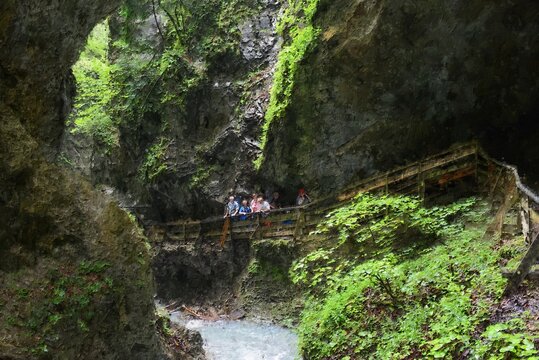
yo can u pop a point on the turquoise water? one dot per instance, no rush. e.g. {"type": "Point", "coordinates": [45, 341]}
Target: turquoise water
{"type": "Point", "coordinates": [243, 340]}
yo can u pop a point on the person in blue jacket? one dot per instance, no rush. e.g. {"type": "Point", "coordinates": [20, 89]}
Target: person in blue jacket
{"type": "Point", "coordinates": [245, 210]}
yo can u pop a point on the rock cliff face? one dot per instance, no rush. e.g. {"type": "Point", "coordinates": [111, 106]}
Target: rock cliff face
{"type": "Point", "coordinates": [387, 83]}
{"type": "Point", "coordinates": [392, 81]}
{"type": "Point", "coordinates": [75, 279]}
{"type": "Point", "coordinates": [203, 113]}
{"type": "Point", "coordinates": [40, 41]}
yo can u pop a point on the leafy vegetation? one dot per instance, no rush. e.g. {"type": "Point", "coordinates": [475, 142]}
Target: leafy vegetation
{"type": "Point", "coordinates": [155, 162]}
{"type": "Point", "coordinates": [91, 115]}
{"type": "Point", "coordinates": [296, 24]}
{"type": "Point", "coordinates": [371, 297]}
{"type": "Point", "coordinates": [203, 173]}
{"type": "Point", "coordinates": [144, 90]}
{"type": "Point", "coordinates": [195, 36]}
{"type": "Point", "coordinates": [506, 340]}
{"type": "Point", "coordinates": [372, 226]}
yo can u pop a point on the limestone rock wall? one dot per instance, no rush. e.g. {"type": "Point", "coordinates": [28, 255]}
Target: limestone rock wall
{"type": "Point", "coordinates": [51, 220]}
{"type": "Point", "coordinates": [210, 130]}
{"type": "Point", "coordinates": [393, 81]}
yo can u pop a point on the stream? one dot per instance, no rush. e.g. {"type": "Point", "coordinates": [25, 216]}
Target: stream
{"type": "Point", "coordinates": [243, 339]}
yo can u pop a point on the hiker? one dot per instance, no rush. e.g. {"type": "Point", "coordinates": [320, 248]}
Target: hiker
{"type": "Point", "coordinates": [264, 206]}
{"type": "Point", "coordinates": [275, 202]}
{"type": "Point", "coordinates": [232, 207]}
{"type": "Point", "coordinates": [255, 207]}
{"type": "Point", "coordinates": [303, 198]}
{"type": "Point", "coordinates": [245, 210]}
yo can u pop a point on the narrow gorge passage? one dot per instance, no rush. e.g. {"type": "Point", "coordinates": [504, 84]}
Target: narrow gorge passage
{"type": "Point", "coordinates": [358, 149]}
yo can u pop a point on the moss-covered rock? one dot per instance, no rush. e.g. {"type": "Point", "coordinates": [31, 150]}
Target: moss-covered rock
{"type": "Point", "coordinates": [74, 272]}
{"type": "Point", "coordinates": [188, 103]}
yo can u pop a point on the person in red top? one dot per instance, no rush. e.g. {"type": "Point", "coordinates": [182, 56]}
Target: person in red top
{"type": "Point", "coordinates": [303, 198]}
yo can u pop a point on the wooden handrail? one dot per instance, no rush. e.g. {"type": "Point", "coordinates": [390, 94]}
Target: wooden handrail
{"type": "Point", "coordinates": [392, 176]}
{"type": "Point", "coordinates": [518, 181]}
{"type": "Point", "coordinates": [418, 170]}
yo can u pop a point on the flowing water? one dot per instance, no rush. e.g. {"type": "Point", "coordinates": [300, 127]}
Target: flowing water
{"type": "Point", "coordinates": [243, 340]}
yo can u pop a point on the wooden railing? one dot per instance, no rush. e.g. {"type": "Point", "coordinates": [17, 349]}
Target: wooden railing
{"type": "Point", "coordinates": [464, 161]}
{"type": "Point", "coordinates": [528, 218]}
{"type": "Point", "coordinates": [293, 222]}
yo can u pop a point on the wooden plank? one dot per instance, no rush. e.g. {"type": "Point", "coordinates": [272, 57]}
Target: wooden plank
{"type": "Point", "coordinates": [273, 234]}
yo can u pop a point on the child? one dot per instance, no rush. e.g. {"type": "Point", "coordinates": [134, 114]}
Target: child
{"type": "Point", "coordinates": [245, 210]}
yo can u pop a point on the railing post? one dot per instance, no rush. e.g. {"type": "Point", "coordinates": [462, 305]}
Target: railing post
{"type": "Point", "coordinates": [500, 171]}
{"type": "Point", "coordinates": [476, 170]}
{"type": "Point", "coordinates": [420, 183]}
{"type": "Point", "coordinates": [299, 224]}
{"type": "Point", "coordinates": [184, 233]}
{"type": "Point", "coordinates": [525, 264]}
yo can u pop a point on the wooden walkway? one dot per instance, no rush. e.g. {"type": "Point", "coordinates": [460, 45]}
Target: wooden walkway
{"type": "Point", "coordinates": [429, 175]}
{"type": "Point", "coordinates": [436, 171]}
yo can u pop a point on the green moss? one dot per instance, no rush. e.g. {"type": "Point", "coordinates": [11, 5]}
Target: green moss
{"type": "Point", "coordinates": [297, 22]}
{"type": "Point", "coordinates": [253, 268]}
{"type": "Point", "coordinates": [199, 179]}
{"type": "Point", "coordinates": [273, 259]}
{"type": "Point", "coordinates": [64, 300]}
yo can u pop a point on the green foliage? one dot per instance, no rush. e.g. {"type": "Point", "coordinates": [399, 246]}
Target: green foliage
{"type": "Point", "coordinates": [41, 349]}
{"type": "Point", "coordinates": [155, 162]}
{"type": "Point", "coordinates": [382, 220]}
{"type": "Point", "coordinates": [93, 267]}
{"type": "Point", "coordinates": [392, 305]}
{"type": "Point", "coordinates": [91, 115]}
{"type": "Point", "coordinates": [506, 341]}
{"type": "Point", "coordinates": [374, 225]}
{"type": "Point", "coordinates": [297, 22]}
{"type": "Point", "coordinates": [195, 36]}
{"type": "Point", "coordinates": [202, 174]}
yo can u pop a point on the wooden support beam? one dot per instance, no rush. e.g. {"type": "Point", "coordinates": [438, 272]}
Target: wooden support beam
{"type": "Point", "coordinates": [524, 267]}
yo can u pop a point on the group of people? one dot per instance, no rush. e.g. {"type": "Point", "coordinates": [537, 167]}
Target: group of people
{"type": "Point", "coordinates": [258, 204]}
